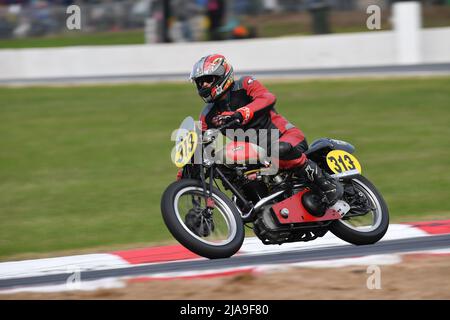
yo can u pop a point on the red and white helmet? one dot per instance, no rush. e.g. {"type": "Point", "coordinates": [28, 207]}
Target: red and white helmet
{"type": "Point", "coordinates": [216, 72]}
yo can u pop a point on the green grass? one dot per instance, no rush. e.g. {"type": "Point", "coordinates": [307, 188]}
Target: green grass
{"type": "Point", "coordinates": [83, 167]}
{"type": "Point", "coordinates": [75, 38]}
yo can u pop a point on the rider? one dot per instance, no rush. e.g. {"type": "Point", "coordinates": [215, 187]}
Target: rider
{"type": "Point", "coordinates": [248, 101]}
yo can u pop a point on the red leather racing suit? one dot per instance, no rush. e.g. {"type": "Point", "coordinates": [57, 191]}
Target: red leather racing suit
{"type": "Point", "coordinates": [256, 104]}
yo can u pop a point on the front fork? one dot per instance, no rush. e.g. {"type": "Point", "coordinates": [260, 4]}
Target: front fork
{"type": "Point", "coordinates": [207, 192]}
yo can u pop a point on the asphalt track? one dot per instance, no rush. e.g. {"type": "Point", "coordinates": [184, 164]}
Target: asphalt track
{"type": "Point", "coordinates": [363, 71]}
{"type": "Point", "coordinates": [247, 260]}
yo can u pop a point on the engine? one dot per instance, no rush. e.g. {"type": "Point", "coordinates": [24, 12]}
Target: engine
{"type": "Point", "coordinates": [269, 231]}
{"type": "Point", "coordinates": [267, 228]}
{"type": "Point", "coordinates": [256, 186]}
{"type": "Point", "coordinates": [255, 190]}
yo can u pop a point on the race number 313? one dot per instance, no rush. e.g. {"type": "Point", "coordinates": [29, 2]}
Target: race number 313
{"type": "Point", "coordinates": [340, 161]}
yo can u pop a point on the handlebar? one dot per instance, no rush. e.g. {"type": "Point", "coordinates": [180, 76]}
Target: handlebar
{"type": "Point", "coordinates": [229, 124]}
{"type": "Point", "coordinates": [209, 135]}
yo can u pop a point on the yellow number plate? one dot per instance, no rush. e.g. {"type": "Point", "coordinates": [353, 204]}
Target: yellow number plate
{"type": "Point", "coordinates": [340, 161]}
{"type": "Point", "coordinates": [185, 149]}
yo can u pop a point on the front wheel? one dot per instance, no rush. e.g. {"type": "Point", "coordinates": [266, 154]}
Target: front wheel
{"type": "Point", "coordinates": [215, 233]}
{"type": "Point", "coordinates": [368, 218]}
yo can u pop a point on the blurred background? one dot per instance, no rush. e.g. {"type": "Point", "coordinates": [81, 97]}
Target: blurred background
{"type": "Point", "coordinates": [42, 23]}
{"type": "Point", "coordinates": [86, 114]}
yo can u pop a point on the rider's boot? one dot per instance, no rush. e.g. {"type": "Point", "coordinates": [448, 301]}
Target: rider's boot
{"type": "Point", "coordinates": [329, 188]}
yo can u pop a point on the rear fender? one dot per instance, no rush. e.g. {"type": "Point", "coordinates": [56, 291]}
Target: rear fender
{"type": "Point", "coordinates": [318, 150]}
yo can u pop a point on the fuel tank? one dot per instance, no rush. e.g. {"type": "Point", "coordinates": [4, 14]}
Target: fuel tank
{"type": "Point", "coordinates": [240, 153]}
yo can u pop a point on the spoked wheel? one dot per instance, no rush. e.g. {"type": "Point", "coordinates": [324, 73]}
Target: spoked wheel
{"type": "Point", "coordinates": [368, 218]}
{"type": "Point", "coordinates": [213, 233]}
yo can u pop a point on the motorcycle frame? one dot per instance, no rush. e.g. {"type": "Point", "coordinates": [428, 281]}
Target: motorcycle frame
{"type": "Point", "coordinates": [248, 205]}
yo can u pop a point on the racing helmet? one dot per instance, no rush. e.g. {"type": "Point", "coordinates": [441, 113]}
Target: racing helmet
{"type": "Point", "coordinates": [213, 76]}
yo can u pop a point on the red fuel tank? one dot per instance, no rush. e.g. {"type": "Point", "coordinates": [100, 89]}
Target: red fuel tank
{"type": "Point", "coordinates": [240, 152]}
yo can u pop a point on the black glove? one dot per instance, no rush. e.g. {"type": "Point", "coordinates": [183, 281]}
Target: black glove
{"type": "Point", "coordinates": [226, 117]}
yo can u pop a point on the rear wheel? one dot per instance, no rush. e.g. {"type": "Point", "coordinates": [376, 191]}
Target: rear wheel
{"type": "Point", "coordinates": [215, 233]}
{"type": "Point", "coordinates": [368, 218]}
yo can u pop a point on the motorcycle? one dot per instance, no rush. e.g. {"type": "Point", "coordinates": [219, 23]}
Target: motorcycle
{"type": "Point", "coordinates": [279, 207]}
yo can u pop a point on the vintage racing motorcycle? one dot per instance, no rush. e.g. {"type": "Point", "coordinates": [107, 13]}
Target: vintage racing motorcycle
{"type": "Point", "coordinates": [207, 208]}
